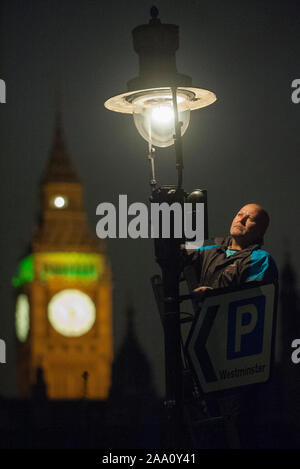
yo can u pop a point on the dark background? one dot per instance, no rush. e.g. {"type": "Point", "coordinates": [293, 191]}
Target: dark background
{"type": "Point", "coordinates": [244, 148]}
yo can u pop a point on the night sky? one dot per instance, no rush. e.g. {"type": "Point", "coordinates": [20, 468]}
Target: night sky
{"type": "Point", "coordinates": [244, 148]}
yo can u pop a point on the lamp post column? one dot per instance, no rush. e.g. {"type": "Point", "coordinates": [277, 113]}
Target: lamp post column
{"type": "Point", "coordinates": [167, 252]}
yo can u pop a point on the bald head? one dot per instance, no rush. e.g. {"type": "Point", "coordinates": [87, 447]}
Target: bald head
{"type": "Point", "coordinates": [249, 225]}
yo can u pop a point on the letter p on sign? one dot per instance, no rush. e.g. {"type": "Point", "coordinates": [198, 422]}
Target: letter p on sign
{"type": "Point", "coordinates": [245, 331]}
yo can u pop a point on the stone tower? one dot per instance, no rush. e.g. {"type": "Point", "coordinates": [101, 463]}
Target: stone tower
{"type": "Point", "coordinates": [64, 292]}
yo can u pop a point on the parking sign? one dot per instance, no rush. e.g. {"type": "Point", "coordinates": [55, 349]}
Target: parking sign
{"type": "Point", "coordinates": [230, 342]}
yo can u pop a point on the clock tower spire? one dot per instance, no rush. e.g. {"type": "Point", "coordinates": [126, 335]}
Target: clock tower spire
{"type": "Point", "coordinates": [64, 223]}
{"type": "Point", "coordinates": [60, 167]}
{"type": "Point", "coordinates": [66, 285]}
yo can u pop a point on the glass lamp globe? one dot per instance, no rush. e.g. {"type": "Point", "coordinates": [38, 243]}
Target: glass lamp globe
{"type": "Point", "coordinates": [153, 113]}
{"type": "Point", "coordinates": [153, 116]}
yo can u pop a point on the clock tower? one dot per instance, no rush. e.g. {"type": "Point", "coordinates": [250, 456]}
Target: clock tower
{"type": "Point", "coordinates": [64, 293]}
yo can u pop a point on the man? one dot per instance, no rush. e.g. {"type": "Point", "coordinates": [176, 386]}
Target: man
{"type": "Point", "coordinates": [238, 258]}
{"type": "Point", "coordinates": [232, 262]}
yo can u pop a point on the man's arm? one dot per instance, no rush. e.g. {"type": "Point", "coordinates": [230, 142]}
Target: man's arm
{"type": "Point", "coordinates": [193, 268]}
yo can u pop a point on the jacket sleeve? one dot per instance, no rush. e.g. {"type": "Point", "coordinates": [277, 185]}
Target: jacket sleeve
{"type": "Point", "coordinates": [260, 267]}
{"type": "Point", "coordinates": [193, 260]}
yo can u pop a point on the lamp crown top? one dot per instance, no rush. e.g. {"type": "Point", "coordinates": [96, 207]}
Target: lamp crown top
{"type": "Point", "coordinates": [154, 12]}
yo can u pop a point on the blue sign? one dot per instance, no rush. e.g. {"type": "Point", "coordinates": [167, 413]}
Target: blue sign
{"type": "Point", "coordinates": [245, 333]}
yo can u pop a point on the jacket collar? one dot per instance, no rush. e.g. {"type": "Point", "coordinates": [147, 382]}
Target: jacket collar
{"type": "Point", "coordinates": [225, 242]}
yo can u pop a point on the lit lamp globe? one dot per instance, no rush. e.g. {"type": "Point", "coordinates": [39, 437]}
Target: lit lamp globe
{"type": "Point", "coordinates": [149, 98]}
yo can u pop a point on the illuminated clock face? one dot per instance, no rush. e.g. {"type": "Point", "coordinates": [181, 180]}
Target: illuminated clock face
{"type": "Point", "coordinates": [72, 313]}
{"type": "Point", "coordinates": [22, 317]}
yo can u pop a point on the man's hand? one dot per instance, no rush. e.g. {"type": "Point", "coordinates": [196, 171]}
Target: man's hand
{"type": "Point", "coordinates": [200, 291]}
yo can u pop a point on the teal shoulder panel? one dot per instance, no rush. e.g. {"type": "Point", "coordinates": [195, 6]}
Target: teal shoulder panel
{"type": "Point", "coordinates": [204, 248]}
{"type": "Point", "coordinates": [262, 265]}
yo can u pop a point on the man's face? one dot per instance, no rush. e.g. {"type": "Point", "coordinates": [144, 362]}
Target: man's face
{"type": "Point", "coordinates": [248, 224]}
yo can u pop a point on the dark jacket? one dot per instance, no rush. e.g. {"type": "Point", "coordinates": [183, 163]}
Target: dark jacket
{"type": "Point", "coordinates": [215, 269]}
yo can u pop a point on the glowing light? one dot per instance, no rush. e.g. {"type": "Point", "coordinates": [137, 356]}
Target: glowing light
{"type": "Point", "coordinates": [162, 114]}
{"type": "Point", "coordinates": [72, 313]}
{"type": "Point", "coordinates": [25, 272]}
{"type": "Point", "coordinates": [22, 317]}
{"type": "Point", "coordinates": [84, 267]}
{"type": "Point", "coordinates": [152, 110]}
{"type": "Point", "coordinates": [59, 201]}
{"type": "Point", "coordinates": [153, 115]}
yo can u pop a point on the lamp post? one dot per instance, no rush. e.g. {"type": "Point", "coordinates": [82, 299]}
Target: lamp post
{"type": "Point", "coordinates": [161, 100]}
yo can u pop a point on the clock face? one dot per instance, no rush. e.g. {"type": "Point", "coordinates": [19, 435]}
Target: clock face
{"type": "Point", "coordinates": [22, 317]}
{"type": "Point", "coordinates": [72, 313]}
